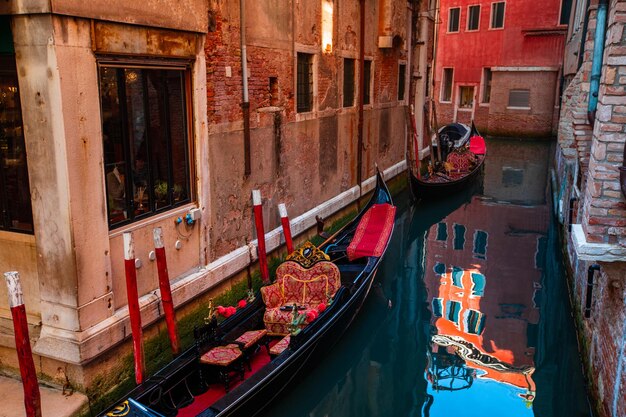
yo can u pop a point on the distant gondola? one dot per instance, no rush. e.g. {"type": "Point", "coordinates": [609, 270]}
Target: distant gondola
{"type": "Point", "coordinates": [462, 153]}
{"type": "Point", "coordinates": [239, 366]}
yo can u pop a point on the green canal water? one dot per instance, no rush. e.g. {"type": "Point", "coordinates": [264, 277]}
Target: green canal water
{"type": "Point", "coordinates": [469, 313]}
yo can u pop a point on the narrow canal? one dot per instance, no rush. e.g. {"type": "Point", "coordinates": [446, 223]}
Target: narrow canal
{"type": "Point", "coordinates": [469, 315]}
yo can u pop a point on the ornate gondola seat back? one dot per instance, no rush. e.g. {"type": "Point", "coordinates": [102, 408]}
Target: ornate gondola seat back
{"type": "Point", "coordinates": [306, 279]}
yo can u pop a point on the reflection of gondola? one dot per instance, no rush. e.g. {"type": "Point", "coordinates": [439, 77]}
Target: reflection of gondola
{"type": "Point", "coordinates": [447, 371]}
{"type": "Point", "coordinates": [462, 151]}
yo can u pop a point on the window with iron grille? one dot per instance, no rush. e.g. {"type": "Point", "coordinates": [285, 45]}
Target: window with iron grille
{"type": "Point", "coordinates": [497, 15]}
{"type": "Point", "coordinates": [367, 77]}
{"type": "Point", "coordinates": [17, 214]}
{"type": "Point", "coordinates": [473, 17]}
{"type": "Point", "coordinates": [401, 81]}
{"type": "Point", "coordinates": [486, 85]}
{"type": "Point", "coordinates": [348, 82]}
{"type": "Point", "coordinates": [519, 98]}
{"type": "Point", "coordinates": [453, 21]}
{"type": "Point", "coordinates": [304, 83]}
{"type": "Point", "coordinates": [446, 84]}
{"type": "Point", "coordinates": [145, 139]}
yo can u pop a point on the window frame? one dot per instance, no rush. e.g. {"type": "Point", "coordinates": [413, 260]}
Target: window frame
{"type": "Point", "coordinates": [484, 85]}
{"type": "Point", "coordinates": [402, 69]}
{"type": "Point", "coordinates": [458, 20]}
{"type": "Point", "coordinates": [469, 14]}
{"type": "Point", "coordinates": [8, 68]}
{"type": "Point", "coordinates": [492, 15]}
{"type": "Point", "coordinates": [185, 67]}
{"type": "Point", "coordinates": [443, 79]}
{"type": "Point", "coordinates": [348, 95]}
{"type": "Point", "coordinates": [310, 82]}
{"type": "Point", "coordinates": [460, 96]}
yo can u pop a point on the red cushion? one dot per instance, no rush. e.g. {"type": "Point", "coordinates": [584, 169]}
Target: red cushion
{"type": "Point", "coordinates": [279, 347]}
{"type": "Point", "coordinates": [372, 233]}
{"type": "Point", "coordinates": [221, 355]}
{"type": "Point", "coordinates": [251, 337]}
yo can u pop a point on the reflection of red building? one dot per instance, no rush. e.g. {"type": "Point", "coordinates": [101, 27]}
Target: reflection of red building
{"type": "Point", "coordinates": [498, 63]}
{"type": "Point", "coordinates": [482, 278]}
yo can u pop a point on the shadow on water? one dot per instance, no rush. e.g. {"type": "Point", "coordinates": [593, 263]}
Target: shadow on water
{"type": "Point", "coordinates": [469, 315]}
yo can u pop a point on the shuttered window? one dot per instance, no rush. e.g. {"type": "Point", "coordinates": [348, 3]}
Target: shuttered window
{"type": "Point", "coordinates": [519, 98]}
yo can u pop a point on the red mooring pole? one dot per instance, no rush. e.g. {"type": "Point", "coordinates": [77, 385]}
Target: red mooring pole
{"type": "Point", "coordinates": [32, 397]}
{"type": "Point", "coordinates": [133, 305]}
{"type": "Point", "coordinates": [166, 291]}
{"type": "Point", "coordinates": [260, 234]}
{"type": "Point", "coordinates": [284, 219]}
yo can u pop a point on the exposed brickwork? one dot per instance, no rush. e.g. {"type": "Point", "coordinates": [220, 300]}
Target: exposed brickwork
{"type": "Point", "coordinates": [598, 150]}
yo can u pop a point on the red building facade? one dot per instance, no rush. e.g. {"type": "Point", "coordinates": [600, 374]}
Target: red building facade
{"type": "Point", "coordinates": [499, 63]}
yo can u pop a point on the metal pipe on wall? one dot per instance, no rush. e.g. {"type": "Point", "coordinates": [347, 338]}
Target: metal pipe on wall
{"type": "Point", "coordinates": [596, 65]}
{"type": "Point", "coordinates": [245, 105]}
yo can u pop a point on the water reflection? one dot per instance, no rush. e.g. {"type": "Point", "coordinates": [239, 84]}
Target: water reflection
{"type": "Point", "coordinates": [470, 314]}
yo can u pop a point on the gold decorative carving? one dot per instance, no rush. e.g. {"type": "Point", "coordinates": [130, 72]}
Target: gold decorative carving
{"type": "Point", "coordinates": [308, 255]}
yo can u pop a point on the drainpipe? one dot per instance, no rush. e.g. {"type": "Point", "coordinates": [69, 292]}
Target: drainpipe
{"type": "Point", "coordinates": [245, 105]}
{"type": "Point", "coordinates": [596, 66]}
{"type": "Point", "coordinates": [359, 155]}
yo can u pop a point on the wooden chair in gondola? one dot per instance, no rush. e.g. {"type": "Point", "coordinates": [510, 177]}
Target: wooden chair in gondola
{"type": "Point", "coordinates": [213, 353]}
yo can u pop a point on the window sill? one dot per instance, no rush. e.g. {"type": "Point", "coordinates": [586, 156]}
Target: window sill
{"type": "Point", "coordinates": [11, 236]}
{"type": "Point", "coordinates": [467, 109]}
{"type": "Point", "coordinates": [517, 108]}
{"type": "Point", "coordinates": [140, 224]}
{"type": "Point", "coordinates": [484, 104]}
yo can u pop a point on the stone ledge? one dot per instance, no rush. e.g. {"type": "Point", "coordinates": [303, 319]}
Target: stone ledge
{"type": "Point", "coordinates": [596, 252]}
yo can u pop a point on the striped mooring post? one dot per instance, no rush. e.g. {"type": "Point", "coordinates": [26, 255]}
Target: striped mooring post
{"type": "Point", "coordinates": [260, 233]}
{"type": "Point", "coordinates": [32, 396]}
{"type": "Point", "coordinates": [166, 290]}
{"type": "Point", "coordinates": [133, 306]}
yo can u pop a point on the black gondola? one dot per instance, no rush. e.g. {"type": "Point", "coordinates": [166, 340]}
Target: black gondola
{"type": "Point", "coordinates": [462, 153]}
{"type": "Point", "coordinates": [188, 387]}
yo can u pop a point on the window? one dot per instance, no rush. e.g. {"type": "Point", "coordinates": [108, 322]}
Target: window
{"type": "Point", "coordinates": [437, 306]}
{"type": "Point", "coordinates": [453, 21]}
{"type": "Point", "coordinates": [473, 17]}
{"type": "Point", "coordinates": [474, 322]}
{"type": "Point", "coordinates": [519, 98]}
{"type": "Point", "coordinates": [446, 84]}
{"type": "Point", "coordinates": [327, 26]}
{"type": "Point", "coordinates": [367, 81]}
{"type": "Point", "coordinates": [17, 214]}
{"type": "Point", "coordinates": [486, 85]}
{"type": "Point", "coordinates": [478, 284]}
{"type": "Point", "coordinates": [401, 81]}
{"type": "Point", "coordinates": [145, 140]}
{"type": "Point", "coordinates": [480, 244]}
{"type": "Point", "coordinates": [453, 309]}
{"type": "Point", "coordinates": [459, 236]}
{"type": "Point", "coordinates": [442, 232]}
{"type": "Point", "coordinates": [497, 15]}
{"type": "Point", "coordinates": [304, 82]}
{"type": "Point", "coordinates": [566, 9]}
{"type": "Point", "coordinates": [466, 97]}
{"type": "Point", "coordinates": [348, 82]}
{"type": "Point", "coordinates": [457, 276]}
{"type": "Point", "coordinates": [439, 268]}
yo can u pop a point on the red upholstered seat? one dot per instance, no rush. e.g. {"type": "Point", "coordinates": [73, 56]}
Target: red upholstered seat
{"type": "Point", "coordinates": [279, 347]}
{"type": "Point", "coordinates": [297, 285]}
{"type": "Point", "coordinates": [251, 337]}
{"type": "Point", "coordinates": [461, 161]}
{"type": "Point", "coordinates": [372, 233]}
{"type": "Point", "coordinates": [222, 355]}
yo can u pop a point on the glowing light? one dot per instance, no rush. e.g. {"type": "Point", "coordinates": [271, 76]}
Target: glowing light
{"type": "Point", "coordinates": [327, 26]}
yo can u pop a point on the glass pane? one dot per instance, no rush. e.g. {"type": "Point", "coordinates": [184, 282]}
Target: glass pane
{"type": "Point", "coordinates": [137, 134]}
{"type": "Point", "coordinates": [178, 135]}
{"type": "Point", "coordinates": [158, 139]}
{"type": "Point", "coordinates": [367, 68]}
{"type": "Point", "coordinates": [473, 18]}
{"type": "Point", "coordinates": [348, 82]}
{"type": "Point", "coordinates": [113, 145]}
{"type": "Point", "coordinates": [14, 187]}
{"type": "Point", "coordinates": [401, 82]}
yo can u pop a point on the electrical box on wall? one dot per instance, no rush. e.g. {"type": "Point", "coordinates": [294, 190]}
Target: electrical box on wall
{"type": "Point", "coordinates": [195, 213]}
